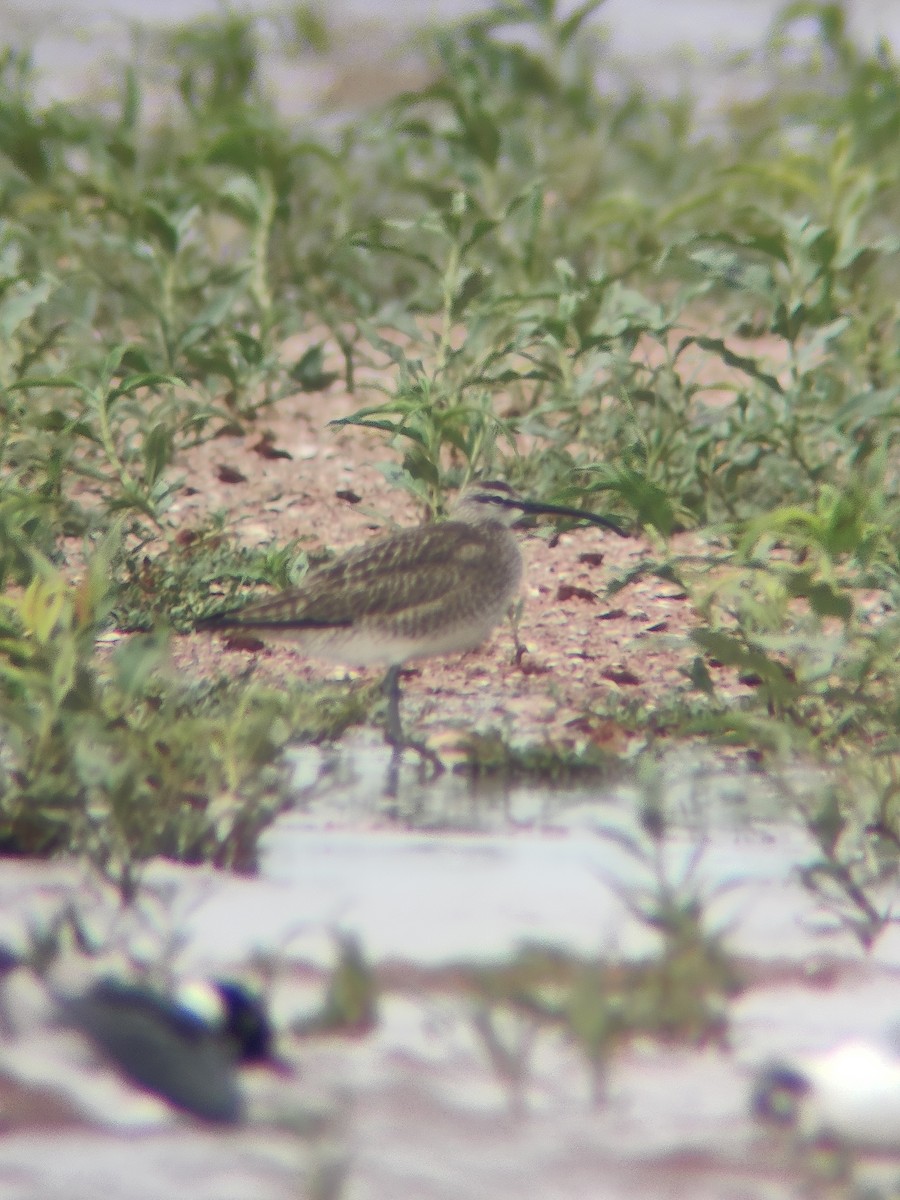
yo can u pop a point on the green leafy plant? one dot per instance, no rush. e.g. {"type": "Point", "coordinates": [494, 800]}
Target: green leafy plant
{"type": "Point", "coordinates": [791, 614]}
{"type": "Point", "coordinates": [104, 755]}
{"type": "Point", "coordinates": [534, 267]}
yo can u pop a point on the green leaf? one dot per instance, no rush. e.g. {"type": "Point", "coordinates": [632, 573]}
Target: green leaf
{"type": "Point", "coordinates": [252, 349]}
{"type": "Point", "coordinates": [157, 452]}
{"type": "Point", "coordinates": [308, 371]}
{"type": "Point", "coordinates": [748, 365]}
{"type": "Point", "coordinates": [824, 599]}
{"type": "Point", "coordinates": [733, 652]}
{"type": "Point", "coordinates": [700, 676]}
{"type": "Point", "coordinates": [20, 303]}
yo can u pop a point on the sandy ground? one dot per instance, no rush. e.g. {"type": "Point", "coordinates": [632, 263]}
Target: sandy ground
{"type": "Point", "coordinates": [587, 652]}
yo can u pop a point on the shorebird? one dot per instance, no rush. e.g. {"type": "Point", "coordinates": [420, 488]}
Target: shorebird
{"type": "Point", "coordinates": [184, 1046]}
{"type": "Point", "coordinates": [849, 1093]}
{"type": "Point", "coordinates": [420, 592]}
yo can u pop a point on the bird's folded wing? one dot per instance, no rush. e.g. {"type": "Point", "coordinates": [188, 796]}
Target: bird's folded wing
{"type": "Point", "coordinates": [411, 571]}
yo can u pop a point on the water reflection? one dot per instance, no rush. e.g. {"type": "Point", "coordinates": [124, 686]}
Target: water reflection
{"type": "Point", "coordinates": [518, 861]}
{"type": "Point", "coordinates": [497, 919]}
{"type": "Point", "coordinates": [347, 783]}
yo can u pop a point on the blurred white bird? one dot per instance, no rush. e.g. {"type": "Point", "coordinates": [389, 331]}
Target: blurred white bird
{"type": "Point", "coordinates": [850, 1093]}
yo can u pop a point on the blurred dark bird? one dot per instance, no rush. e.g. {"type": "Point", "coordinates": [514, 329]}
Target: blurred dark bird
{"type": "Point", "coordinates": [171, 1048]}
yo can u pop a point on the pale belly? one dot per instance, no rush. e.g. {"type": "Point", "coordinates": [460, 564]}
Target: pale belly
{"type": "Point", "coordinates": [370, 644]}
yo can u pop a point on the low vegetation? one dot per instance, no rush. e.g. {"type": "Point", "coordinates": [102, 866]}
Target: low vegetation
{"type": "Point", "coordinates": [694, 321]}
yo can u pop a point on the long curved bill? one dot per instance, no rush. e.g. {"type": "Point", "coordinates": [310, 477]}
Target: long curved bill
{"type": "Point", "coordinates": [560, 510]}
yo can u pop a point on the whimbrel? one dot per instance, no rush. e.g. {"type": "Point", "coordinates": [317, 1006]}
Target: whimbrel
{"type": "Point", "coordinates": [421, 592]}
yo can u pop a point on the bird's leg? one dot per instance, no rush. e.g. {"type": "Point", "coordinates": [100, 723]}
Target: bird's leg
{"type": "Point", "coordinates": [515, 617]}
{"type": "Point", "coordinates": [391, 687]}
{"type": "Point", "coordinates": [393, 733]}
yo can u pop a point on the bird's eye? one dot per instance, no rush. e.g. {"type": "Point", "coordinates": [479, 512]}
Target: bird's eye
{"type": "Point", "coordinates": [494, 493]}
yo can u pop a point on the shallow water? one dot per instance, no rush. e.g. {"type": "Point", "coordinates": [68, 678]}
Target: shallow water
{"type": "Point", "coordinates": [449, 877]}
{"type": "Point", "coordinates": [449, 874]}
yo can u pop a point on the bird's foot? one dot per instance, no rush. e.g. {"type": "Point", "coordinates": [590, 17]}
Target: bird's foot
{"type": "Point", "coordinates": [400, 743]}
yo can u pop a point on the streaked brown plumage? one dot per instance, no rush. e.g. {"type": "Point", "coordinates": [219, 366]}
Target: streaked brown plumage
{"type": "Point", "coordinates": [435, 589]}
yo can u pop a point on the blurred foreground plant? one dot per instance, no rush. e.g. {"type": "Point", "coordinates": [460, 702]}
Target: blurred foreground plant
{"type": "Point", "coordinates": [101, 754]}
